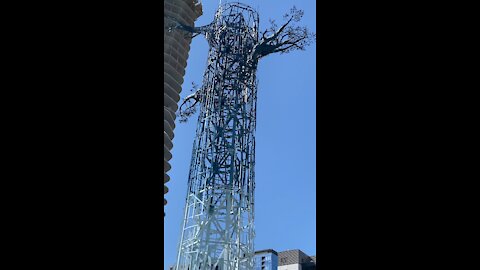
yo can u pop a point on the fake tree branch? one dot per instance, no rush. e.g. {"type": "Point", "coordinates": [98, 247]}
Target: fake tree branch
{"type": "Point", "coordinates": [172, 24]}
{"type": "Point", "coordinates": [285, 38]}
{"type": "Point", "coordinates": [188, 107]}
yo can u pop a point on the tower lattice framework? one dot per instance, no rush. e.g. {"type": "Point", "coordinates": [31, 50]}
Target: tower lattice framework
{"type": "Point", "coordinates": [218, 226]}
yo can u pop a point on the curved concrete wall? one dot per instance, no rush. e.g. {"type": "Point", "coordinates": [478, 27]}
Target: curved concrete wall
{"type": "Point", "coordinates": [177, 46]}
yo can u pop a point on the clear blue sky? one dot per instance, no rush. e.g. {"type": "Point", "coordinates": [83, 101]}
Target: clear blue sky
{"type": "Point", "coordinates": [285, 195]}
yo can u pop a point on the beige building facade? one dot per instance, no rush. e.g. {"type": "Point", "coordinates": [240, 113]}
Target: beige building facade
{"type": "Point", "coordinates": [176, 49]}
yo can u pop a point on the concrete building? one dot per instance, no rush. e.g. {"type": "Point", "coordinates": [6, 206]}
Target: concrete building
{"type": "Point", "coordinates": [296, 260]}
{"type": "Point", "coordinates": [177, 47]}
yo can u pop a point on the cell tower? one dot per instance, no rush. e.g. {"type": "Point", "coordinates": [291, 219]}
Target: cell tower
{"type": "Point", "coordinates": [218, 228]}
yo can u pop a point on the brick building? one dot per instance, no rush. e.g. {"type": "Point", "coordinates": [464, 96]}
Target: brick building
{"type": "Point", "coordinates": [296, 260]}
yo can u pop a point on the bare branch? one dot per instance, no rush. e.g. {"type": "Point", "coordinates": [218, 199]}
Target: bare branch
{"type": "Point", "coordinates": [285, 38]}
{"type": "Point", "coordinates": [172, 23]}
{"type": "Point", "coordinates": [188, 106]}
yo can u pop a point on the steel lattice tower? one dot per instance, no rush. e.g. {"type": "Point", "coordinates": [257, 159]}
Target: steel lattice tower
{"type": "Point", "coordinates": [218, 228]}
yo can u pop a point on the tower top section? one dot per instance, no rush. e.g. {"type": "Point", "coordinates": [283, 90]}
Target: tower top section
{"type": "Point", "coordinates": [236, 14]}
{"type": "Point", "coordinates": [236, 6]}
